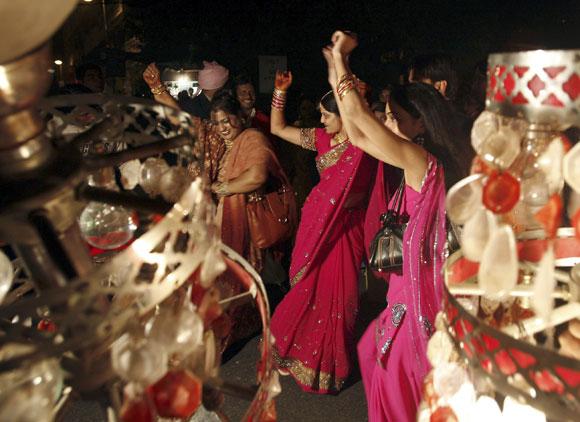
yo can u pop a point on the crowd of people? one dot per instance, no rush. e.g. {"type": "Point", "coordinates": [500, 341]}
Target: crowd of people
{"type": "Point", "coordinates": [414, 141]}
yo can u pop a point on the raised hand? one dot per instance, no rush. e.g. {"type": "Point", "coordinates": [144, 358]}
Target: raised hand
{"type": "Point", "coordinates": [327, 53]}
{"type": "Point", "coordinates": [283, 80]}
{"type": "Point", "coordinates": [152, 76]}
{"type": "Point", "coordinates": [343, 42]}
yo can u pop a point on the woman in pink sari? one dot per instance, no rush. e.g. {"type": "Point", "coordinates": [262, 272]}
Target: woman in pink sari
{"type": "Point", "coordinates": [418, 139]}
{"type": "Point", "coordinates": [314, 324]}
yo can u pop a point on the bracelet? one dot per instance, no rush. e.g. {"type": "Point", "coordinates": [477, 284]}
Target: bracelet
{"type": "Point", "coordinates": [279, 99]}
{"type": "Point", "coordinates": [222, 189]}
{"type": "Point", "coordinates": [159, 89]}
{"type": "Point", "coordinates": [346, 84]}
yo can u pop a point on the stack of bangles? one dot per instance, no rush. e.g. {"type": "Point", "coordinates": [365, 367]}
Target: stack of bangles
{"type": "Point", "coordinates": [346, 84]}
{"type": "Point", "coordinates": [279, 99]}
{"type": "Point", "coordinates": [159, 89]}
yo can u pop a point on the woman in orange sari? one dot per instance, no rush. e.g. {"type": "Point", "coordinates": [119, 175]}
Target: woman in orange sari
{"type": "Point", "coordinates": [248, 168]}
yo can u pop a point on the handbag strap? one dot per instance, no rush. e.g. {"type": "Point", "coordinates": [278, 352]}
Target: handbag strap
{"type": "Point", "coordinates": [399, 197]}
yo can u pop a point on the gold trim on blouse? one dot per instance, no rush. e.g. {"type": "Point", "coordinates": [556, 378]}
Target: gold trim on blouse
{"type": "Point", "coordinates": [331, 157]}
{"type": "Point", "coordinates": [317, 380]}
{"type": "Point", "coordinates": [308, 138]}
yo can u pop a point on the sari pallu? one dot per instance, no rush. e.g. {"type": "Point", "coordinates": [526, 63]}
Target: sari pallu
{"type": "Point", "coordinates": [250, 148]}
{"type": "Point", "coordinates": [314, 324]}
{"type": "Point", "coordinates": [393, 351]}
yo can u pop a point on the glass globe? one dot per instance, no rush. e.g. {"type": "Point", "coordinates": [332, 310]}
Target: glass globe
{"type": "Point", "coordinates": [106, 226]}
{"type": "Point", "coordinates": [150, 177]}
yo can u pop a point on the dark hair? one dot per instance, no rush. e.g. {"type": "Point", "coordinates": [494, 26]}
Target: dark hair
{"type": "Point", "coordinates": [378, 106]}
{"type": "Point", "coordinates": [329, 103]}
{"type": "Point", "coordinates": [436, 67]}
{"type": "Point", "coordinates": [242, 79]}
{"type": "Point", "coordinates": [442, 134]}
{"type": "Point", "coordinates": [84, 68]}
{"type": "Point", "coordinates": [226, 102]}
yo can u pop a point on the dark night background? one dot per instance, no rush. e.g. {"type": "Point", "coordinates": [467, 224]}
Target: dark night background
{"type": "Point", "coordinates": [390, 32]}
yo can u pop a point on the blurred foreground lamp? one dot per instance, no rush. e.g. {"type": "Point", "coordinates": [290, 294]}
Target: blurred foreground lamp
{"type": "Point", "coordinates": [515, 281]}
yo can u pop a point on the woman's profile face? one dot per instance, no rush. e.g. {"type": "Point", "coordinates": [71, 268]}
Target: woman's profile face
{"type": "Point", "coordinates": [331, 121]}
{"type": "Point", "coordinates": [228, 125]}
{"type": "Point", "coordinates": [401, 122]}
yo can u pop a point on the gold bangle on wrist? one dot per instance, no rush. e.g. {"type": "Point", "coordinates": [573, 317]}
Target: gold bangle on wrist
{"type": "Point", "coordinates": [159, 89]}
{"type": "Point", "coordinates": [222, 189]}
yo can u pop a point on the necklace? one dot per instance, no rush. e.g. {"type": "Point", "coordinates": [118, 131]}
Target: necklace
{"type": "Point", "coordinates": [229, 143]}
{"type": "Point", "coordinates": [338, 139]}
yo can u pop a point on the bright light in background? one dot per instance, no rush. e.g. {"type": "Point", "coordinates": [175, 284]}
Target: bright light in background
{"type": "Point", "coordinates": [87, 1]}
{"type": "Point", "coordinates": [58, 62]}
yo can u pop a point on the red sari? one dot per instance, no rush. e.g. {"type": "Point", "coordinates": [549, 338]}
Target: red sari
{"type": "Point", "coordinates": [314, 324]}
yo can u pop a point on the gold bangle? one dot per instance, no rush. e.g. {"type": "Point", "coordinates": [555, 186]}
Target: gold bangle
{"type": "Point", "coordinates": [222, 189]}
{"type": "Point", "coordinates": [159, 89]}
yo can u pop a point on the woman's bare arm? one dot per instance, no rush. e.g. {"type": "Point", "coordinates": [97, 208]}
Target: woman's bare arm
{"type": "Point", "coordinates": [250, 180]}
{"type": "Point", "coordinates": [278, 125]}
{"type": "Point", "coordinates": [152, 78]}
{"type": "Point", "coordinates": [366, 131]}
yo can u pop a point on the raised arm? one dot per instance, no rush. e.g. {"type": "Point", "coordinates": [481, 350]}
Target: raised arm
{"type": "Point", "coordinates": [278, 124]}
{"type": "Point", "coordinates": [152, 78]}
{"type": "Point", "coordinates": [364, 129]}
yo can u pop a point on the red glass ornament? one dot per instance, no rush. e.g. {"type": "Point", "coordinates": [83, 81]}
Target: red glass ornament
{"type": "Point", "coordinates": [501, 192]}
{"type": "Point", "coordinates": [505, 363]}
{"type": "Point", "coordinates": [509, 84]}
{"type": "Point", "coordinates": [46, 325]}
{"type": "Point", "coordinates": [490, 342]}
{"type": "Point", "coordinates": [523, 359]}
{"type": "Point", "coordinates": [176, 395]}
{"type": "Point", "coordinates": [570, 376]}
{"type": "Point", "coordinates": [550, 216]}
{"type": "Point", "coordinates": [553, 101]}
{"type": "Point", "coordinates": [536, 85]}
{"type": "Point", "coordinates": [554, 71]}
{"type": "Point", "coordinates": [572, 87]}
{"type": "Point", "coordinates": [443, 414]}
{"type": "Point", "coordinates": [547, 382]}
{"type": "Point", "coordinates": [138, 410]}
{"type": "Point", "coordinates": [486, 365]}
{"type": "Point", "coordinates": [519, 99]}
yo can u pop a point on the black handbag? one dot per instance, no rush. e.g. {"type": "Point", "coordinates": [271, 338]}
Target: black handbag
{"type": "Point", "coordinates": [386, 251]}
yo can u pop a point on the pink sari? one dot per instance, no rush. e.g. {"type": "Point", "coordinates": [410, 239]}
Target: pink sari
{"type": "Point", "coordinates": [392, 352]}
{"type": "Point", "coordinates": [314, 324]}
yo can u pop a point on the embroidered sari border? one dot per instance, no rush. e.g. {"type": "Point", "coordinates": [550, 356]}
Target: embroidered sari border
{"type": "Point", "coordinates": [308, 138]}
{"type": "Point", "coordinates": [311, 378]}
{"type": "Point", "coordinates": [298, 276]}
{"type": "Point", "coordinates": [331, 157]}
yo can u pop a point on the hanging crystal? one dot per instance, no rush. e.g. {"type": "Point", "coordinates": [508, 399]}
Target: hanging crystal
{"type": "Point", "coordinates": [498, 269]}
